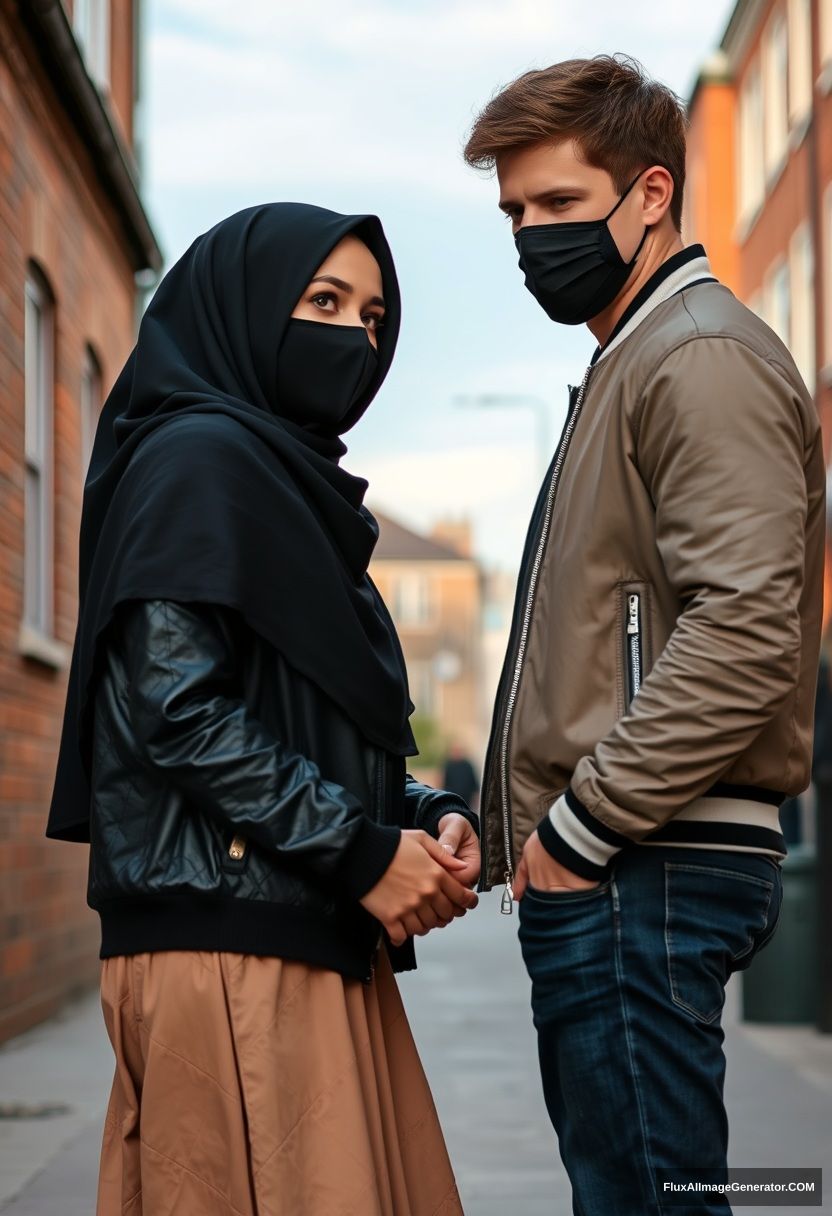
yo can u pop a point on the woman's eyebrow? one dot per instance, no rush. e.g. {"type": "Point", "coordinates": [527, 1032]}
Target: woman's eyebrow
{"type": "Point", "coordinates": [330, 278]}
{"type": "Point", "coordinates": [346, 287]}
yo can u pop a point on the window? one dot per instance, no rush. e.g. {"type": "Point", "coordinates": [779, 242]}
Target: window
{"type": "Point", "coordinates": [777, 300]}
{"type": "Point", "coordinates": [751, 173]}
{"type": "Point", "coordinates": [775, 70]}
{"type": "Point", "coordinates": [90, 406]}
{"type": "Point", "coordinates": [38, 393]}
{"type": "Point", "coordinates": [757, 304]}
{"type": "Point", "coordinates": [825, 16]}
{"type": "Point", "coordinates": [411, 599]}
{"type": "Point", "coordinates": [422, 687]}
{"type": "Point", "coordinates": [800, 60]}
{"type": "Point", "coordinates": [91, 21]}
{"type": "Point", "coordinates": [802, 295]}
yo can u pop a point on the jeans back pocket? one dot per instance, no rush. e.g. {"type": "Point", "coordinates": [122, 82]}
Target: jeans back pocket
{"type": "Point", "coordinates": [716, 917]}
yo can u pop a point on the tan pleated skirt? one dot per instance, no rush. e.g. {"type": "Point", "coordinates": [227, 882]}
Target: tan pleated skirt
{"type": "Point", "coordinates": [254, 1086]}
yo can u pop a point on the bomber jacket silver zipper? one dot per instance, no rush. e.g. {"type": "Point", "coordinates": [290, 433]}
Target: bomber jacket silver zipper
{"type": "Point", "coordinates": [634, 641]}
{"type": "Point", "coordinates": [508, 893]}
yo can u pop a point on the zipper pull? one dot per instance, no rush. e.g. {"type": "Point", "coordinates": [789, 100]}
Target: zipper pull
{"type": "Point", "coordinates": [632, 623]}
{"type": "Point", "coordinates": [368, 979]}
{"type": "Point", "coordinates": [237, 847]}
{"type": "Point", "coordinates": [508, 896]}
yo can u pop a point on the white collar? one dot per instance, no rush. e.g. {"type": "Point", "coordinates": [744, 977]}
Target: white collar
{"type": "Point", "coordinates": [697, 268]}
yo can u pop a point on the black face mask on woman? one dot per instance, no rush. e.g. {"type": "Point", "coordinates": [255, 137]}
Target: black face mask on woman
{"type": "Point", "coordinates": [323, 370]}
{"type": "Point", "coordinates": [574, 270]}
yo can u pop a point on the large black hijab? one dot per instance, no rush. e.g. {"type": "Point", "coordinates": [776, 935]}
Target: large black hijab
{"type": "Point", "coordinates": [198, 489]}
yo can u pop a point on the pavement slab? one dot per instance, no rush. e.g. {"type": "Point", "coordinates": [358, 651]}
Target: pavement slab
{"type": "Point", "coordinates": [468, 1005]}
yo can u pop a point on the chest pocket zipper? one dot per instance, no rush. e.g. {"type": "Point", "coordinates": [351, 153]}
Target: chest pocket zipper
{"type": "Point", "coordinates": [634, 645]}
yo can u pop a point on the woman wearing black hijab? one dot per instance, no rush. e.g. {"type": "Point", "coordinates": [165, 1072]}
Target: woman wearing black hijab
{"type": "Point", "coordinates": [234, 746]}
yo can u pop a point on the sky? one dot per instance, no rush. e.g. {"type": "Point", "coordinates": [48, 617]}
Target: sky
{"type": "Point", "coordinates": [364, 107]}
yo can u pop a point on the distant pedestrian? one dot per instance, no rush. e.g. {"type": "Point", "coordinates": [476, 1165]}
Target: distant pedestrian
{"type": "Point", "coordinates": [460, 777]}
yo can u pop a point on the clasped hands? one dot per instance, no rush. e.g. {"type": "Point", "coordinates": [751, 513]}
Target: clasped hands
{"type": "Point", "coordinates": [428, 883]}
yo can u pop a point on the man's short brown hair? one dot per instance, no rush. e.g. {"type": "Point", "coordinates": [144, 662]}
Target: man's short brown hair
{"type": "Point", "coordinates": [620, 119]}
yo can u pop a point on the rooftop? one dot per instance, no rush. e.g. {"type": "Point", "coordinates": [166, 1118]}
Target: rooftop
{"type": "Point", "coordinates": [398, 543]}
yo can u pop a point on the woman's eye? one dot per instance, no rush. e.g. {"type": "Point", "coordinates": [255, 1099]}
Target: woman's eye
{"type": "Point", "coordinates": [373, 322]}
{"type": "Point", "coordinates": [323, 298]}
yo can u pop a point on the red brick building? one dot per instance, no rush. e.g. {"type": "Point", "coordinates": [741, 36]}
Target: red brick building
{"type": "Point", "coordinates": [73, 237]}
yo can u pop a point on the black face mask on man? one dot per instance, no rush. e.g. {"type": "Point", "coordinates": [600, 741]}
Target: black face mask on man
{"type": "Point", "coordinates": [323, 370]}
{"type": "Point", "coordinates": [574, 270]}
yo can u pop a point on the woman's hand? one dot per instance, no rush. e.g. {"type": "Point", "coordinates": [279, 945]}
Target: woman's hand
{"type": "Point", "coordinates": [420, 890]}
{"type": "Point", "coordinates": [459, 839]}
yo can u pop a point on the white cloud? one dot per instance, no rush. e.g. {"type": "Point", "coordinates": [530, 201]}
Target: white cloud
{"type": "Point", "coordinates": [281, 94]}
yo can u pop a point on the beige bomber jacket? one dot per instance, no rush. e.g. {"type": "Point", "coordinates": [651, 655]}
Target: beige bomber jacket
{"type": "Point", "coordinates": [660, 678]}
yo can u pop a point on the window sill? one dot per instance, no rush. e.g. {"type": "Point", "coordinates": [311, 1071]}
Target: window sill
{"type": "Point", "coordinates": [33, 644]}
{"type": "Point", "coordinates": [776, 171]}
{"type": "Point", "coordinates": [746, 223]}
{"type": "Point", "coordinates": [797, 134]}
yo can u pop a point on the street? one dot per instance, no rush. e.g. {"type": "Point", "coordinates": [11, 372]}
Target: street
{"type": "Point", "coordinates": [468, 1005]}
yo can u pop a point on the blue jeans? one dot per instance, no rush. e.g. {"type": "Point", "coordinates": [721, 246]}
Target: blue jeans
{"type": "Point", "coordinates": [628, 985]}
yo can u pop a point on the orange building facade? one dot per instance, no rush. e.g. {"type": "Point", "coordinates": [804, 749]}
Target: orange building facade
{"type": "Point", "coordinates": [73, 237]}
{"type": "Point", "coordinates": [759, 192]}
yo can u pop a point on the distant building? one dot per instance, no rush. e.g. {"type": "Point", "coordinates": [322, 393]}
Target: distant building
{"type": "Point", "coordinates": [73, 236]}
{"type": "Point", "coordinates": [432, 585]}
{"type": "Point", "coordinates": [759, 192]}
{"type": "Point", "coordinates": [500, 588]}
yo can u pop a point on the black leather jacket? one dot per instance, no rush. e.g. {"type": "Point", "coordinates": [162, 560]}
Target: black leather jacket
{"type": "Point", "coordinates": [234, 805]}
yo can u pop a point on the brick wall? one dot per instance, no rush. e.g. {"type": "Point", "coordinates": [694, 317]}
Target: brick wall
{"type": "Point", "coordinates": [51, 210]}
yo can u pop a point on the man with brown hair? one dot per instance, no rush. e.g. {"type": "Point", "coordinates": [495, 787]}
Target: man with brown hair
{"type": "Point", "coordinates": [655, 706]}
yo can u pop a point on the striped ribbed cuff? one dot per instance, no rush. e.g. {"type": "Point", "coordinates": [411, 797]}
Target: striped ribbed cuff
{"type": "Point", "coordinates": [577, 839]}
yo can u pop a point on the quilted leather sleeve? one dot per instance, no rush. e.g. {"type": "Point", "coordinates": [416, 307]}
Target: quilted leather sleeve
{"type": "Point", "coordinates": [196, 731]}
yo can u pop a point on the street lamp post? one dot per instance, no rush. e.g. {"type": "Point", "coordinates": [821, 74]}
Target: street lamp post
{"type": "Point", "coordinates": [537, 405]}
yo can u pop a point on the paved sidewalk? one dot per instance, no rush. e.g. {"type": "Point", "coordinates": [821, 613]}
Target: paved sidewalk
{"type": "Point", "coordinates": [468, 1005]}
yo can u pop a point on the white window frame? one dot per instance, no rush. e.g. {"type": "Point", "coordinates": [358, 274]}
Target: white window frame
{"type": "Point", "coordinates": [757, 304]}
{"type": "Point", "coordinates": [751, 172]}
{"type": "Point", "coordinates": [91, 22]}
{"type": "Point", "coordinates": [776, 280]}
{"type": "Point", "coordinates": [423, 688]}
{"type": "Point", "coordinates": [825, 31]}
{"type": "Point", "coordinates": [775, 94]}
{"type": "Point", "coordinates": [89, 404]}
{"type": "Point", "coordinates": [39, 382]}
{"type": "Point", "coordinates": [802, 304]}
{"type": "Point", "coordinates": [799, 15]}
{"type": "Point", "coordinates": [413, 599]}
